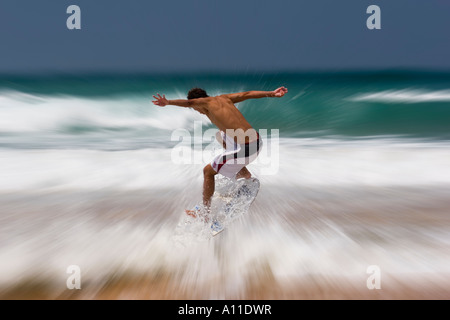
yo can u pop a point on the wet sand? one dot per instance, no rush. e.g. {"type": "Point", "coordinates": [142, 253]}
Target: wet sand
{"type": "Point", "coordinates": [329, 240]}
{"type": "Point", "coordinates": [143, 287]}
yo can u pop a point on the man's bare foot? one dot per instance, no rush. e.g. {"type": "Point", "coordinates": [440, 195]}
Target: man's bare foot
{"type": "Point", "coordinates": [198, 212]}
{"type": "Point", "coordinates": [191, 213]}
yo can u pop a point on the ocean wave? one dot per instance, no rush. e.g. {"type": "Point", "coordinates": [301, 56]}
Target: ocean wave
{"type": "Point", "coordinates": [295, 162]}
{"type": "Point", "coordinates": [123, 121]}
{"type": "Point", "coordinates": [23, 112]}
{"type": "Point", "coordinates": [404, 96]}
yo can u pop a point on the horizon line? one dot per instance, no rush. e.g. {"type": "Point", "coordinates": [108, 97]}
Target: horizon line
{"type": "Point", "coordinates": [223, 72]}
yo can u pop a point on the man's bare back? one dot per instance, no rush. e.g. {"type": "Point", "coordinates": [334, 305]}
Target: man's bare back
{"type": "Point", "coordinates": [223, 113]}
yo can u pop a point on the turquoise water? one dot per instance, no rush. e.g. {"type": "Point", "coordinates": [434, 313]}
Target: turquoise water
{"type": "Point", "coordinates": [91, 111]}
{"type": "Point", "coordinates": [400, 119]}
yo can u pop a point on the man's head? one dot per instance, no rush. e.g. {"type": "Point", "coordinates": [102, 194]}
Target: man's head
{"type": "Point", "coordinates": [196, 93]}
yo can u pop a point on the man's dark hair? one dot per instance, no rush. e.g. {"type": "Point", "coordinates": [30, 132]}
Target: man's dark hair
{"type": "Point", "coordinates": [196, 93]}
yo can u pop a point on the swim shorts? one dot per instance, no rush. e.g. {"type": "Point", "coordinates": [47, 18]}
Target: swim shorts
{"type": "Point", "coordinates": [236, 156]}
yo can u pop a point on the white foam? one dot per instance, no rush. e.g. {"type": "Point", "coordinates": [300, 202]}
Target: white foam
{"type": "Point", "coordinates": [21, 112]}
{"type": "Point", "coordinates": [240, 254]}
{"type": "Point", "coordinates": [404, 96]}
{"type": "Point", "coordinates": [365, 163]}
{"type": "Point", "coordinates": [369, 163]}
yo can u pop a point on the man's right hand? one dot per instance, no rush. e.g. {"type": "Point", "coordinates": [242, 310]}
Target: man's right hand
{"type": "Point", "coordinates": [160, 101]}
{"type": "Point", "coordinates": [278, 93]}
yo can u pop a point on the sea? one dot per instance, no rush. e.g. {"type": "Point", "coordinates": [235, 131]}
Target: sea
{"type": "Point", "coordinates": [354, 199]}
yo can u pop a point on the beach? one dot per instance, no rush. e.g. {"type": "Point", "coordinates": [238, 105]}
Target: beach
{"type": "Point", "coordinates": [354, 176]}
{"type": "Point", "coordinates": [128, 251]}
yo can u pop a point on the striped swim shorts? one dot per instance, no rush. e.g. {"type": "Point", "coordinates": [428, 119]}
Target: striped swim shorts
{"type": "Point", "coordinates": [235, 156]}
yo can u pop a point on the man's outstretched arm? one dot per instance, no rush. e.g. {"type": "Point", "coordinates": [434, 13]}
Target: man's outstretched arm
{"type": "Point", "coordinates": [162, 102]}
{"type": "Point", "coordinates": [242, 96]}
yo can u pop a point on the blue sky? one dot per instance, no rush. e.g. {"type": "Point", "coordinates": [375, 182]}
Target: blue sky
{"type": "Point", "coordinates": [231, 35]}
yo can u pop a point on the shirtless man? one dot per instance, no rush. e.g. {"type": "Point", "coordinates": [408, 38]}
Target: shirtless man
{"type": "Point", "coordinates": [241, 142]}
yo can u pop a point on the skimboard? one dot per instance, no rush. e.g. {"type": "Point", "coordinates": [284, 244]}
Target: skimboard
{"type": "Point", "coordinates": [231, 200]}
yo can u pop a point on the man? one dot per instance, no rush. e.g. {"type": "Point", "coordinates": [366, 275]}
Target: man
{"type": "Point", "coordinates": [241, 142]}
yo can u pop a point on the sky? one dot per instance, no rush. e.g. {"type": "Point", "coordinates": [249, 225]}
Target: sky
{"type": "Point", "coordinates": [225, 35]}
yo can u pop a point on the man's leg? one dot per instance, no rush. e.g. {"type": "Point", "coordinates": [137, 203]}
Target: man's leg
{"type": "Point", "coordinates": [208, 185]}
{"type": "Point", "coordinates": [244, 173]}
{"type": "Point", "coordinates": [208, 189]}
